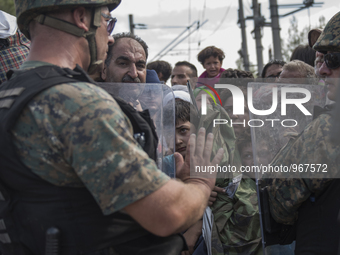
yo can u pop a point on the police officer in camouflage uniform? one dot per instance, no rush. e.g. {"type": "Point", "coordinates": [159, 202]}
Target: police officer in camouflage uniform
{"type": "Point", "coordinates": [310, 199]}
{"type": "Point", "coordinates": [69, 163]}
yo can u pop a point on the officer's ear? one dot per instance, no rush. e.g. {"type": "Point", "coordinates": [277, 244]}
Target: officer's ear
{"type": "Point", "coordinates": [82, 18]}
{"type": "Point", "coordinates": [103, 73]}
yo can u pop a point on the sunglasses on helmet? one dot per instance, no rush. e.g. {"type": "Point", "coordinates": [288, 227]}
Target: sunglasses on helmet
{"type": "Point", "coordinates": [111, 22]}
{"type": "Point", "coordinates": [332, 60]}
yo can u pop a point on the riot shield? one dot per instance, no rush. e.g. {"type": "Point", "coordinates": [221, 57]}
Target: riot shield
{"type": "Point", "coordinates": [214, 118]}
{"type": "Point", "coordinates": [150, 97]}
{"type": "Point", "coordinates": [278, 114]}
{"type": "Point", "coordinates": [235, 227]}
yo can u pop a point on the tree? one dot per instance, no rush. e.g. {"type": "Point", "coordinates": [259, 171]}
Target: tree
{"type": "Point", "coordinates": [240, 66]}
{"type": "Point", "coordinates": [8, 6]}
{"type": "Point", "coordinates": [296, 37]}
{"type": "Point", "coordinates": [239, 63]}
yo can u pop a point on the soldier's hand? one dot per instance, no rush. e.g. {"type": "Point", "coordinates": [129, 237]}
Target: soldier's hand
{"type": "Point", "coordinates": [214, 193]}
{"type": "Point", "coordinates": [200, 150]}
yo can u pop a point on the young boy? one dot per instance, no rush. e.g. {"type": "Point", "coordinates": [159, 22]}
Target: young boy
{"type": "Point", "coordinates": [184, 126]}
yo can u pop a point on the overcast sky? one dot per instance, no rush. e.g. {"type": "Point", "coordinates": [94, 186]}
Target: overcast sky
{"type": "Point", "coordinates": [221, 30]}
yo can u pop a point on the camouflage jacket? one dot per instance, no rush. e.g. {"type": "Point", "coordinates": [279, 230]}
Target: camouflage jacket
{"type": "Point", "coordinates": [236, 228]}
{"type": "Point", "coordinates": [75, 135]}
{"type": "Point", "coordinates": [313, 146]}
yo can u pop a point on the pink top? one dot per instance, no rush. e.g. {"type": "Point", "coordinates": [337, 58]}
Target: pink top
{"type": "Point", "coordinates": [209, 81]}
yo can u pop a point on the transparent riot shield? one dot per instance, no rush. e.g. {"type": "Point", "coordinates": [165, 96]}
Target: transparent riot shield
{"type": "Point", "coordinates": [278, 114]}
{"type": "Point", "coordinates": [150, 97]}
{"type": "Point", "coordinates": [235, 225]}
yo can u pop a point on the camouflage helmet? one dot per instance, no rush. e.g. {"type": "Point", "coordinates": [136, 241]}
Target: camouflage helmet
{"type": "Point", "coordinates": [27, 10]}
{"type": "Point", "coordinates": [329, 40]}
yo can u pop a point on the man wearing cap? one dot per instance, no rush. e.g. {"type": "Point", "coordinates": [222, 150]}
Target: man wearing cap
{"type": "Point", "coordinates": [309, 198]}
{"type": "Point", "coordinates": [73, 179]}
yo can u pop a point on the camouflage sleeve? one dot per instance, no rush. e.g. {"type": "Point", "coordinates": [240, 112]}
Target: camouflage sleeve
{"type": "Point", "coordinates": [80, 137]}
{"type": "Point", "coordinates": [314, 146]}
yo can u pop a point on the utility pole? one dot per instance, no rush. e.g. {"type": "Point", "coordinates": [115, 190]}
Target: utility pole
{"type": "Point", "coordinates": [244, 50]}
{"type": "Point", "coordinates": [131, 24]}
{"type": "Point", "coordinates": [274, 15]}
{"type": "Point", "coordinates": [258, 23]}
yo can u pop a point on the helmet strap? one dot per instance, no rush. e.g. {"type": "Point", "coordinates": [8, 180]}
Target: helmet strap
{"type": "Point", "coordinates": [70, 28]}
{"type": "Point", "coordinates": [91, 38]}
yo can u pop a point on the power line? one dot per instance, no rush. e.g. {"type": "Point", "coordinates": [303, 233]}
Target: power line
{"type": "Point", "coordinates": [219, 25]}
{"type": "Point", "coordinates": [145, 26]}
{"type": "Point", "coordinates": [203, 14]}
{"type": "Point", "coordinates": [177, 40]}
{"type": "Point", "coordinates": [189, 21]}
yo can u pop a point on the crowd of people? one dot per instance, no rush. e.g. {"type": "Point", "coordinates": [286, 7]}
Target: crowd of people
{"type": "Point", "coordinates": [100, 148]}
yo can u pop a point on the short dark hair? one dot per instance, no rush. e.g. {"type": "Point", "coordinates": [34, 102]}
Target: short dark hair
{"type": "Point", "coordinates": [270, 63]}
{"type": "Point", "coordinates": [119, 36]}
{"type": "Point", "coordinates": [304, 53]}
{"type": "Point", "coordinates": [236, 73]}
{"type": "Point", "coordinates": [162, 67]}
{"type": "Point", "coordinates": [210, 51]}
{"type": "Point", "coordinates": [191, 66]}
{"type": "Point", "coordinates": [183, 111]}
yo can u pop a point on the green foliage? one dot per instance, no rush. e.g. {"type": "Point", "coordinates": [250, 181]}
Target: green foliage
{"type": "Point", "coordinates": [8, 6]}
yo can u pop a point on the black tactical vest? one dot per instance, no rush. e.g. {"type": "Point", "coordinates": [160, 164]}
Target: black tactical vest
{"type": "Point", "coordinates": [317, 230]}
{"type": "Point", "coordinates": [29, 205]}
{"type": "Point", "coordinates": [317, 226]}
